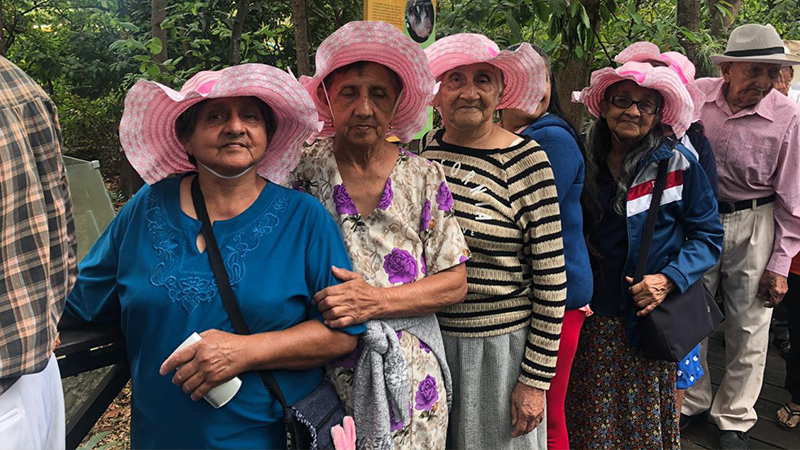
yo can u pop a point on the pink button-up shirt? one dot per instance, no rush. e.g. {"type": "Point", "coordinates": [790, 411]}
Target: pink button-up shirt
{"type": "Point", "coordinates": [758, 154]}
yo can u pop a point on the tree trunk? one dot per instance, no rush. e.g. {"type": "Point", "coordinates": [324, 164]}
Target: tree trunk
{"type": "Point", "coordinates": [300, 19]}
{"type": "Point", "coordinates": [236, 35]}
{"type": "Point", "coordinates": [688, 16]}
{"type": "Point", "coordinates": [129, 180]}
{"type": "Point", "coordinates": [158, 15]}
{"type": "Point", "coordinates": [721, 22]}
{"type": "Point", "coordinates": [574, 76]}
{"type": "Point", "coordinates": [2, 32]}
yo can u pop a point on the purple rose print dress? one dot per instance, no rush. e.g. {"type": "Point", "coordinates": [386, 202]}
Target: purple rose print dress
{"type": "Point", "coordinates": [410, 234]}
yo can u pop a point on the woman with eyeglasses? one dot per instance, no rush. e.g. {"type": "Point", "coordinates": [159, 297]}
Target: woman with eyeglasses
{"type": "Point", "coordinates": [618, 398]}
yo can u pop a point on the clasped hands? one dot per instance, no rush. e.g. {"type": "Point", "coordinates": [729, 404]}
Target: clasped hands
{"type": "Point", "coordinates": [220, 356]}
{"type": "Point", "coordinates": [351, 302]}
{"type": "Point", "coordinates": [650, 292]}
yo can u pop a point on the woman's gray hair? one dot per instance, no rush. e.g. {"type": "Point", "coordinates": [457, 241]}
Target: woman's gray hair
{"type": "Point", "coordinates": [599, 143]}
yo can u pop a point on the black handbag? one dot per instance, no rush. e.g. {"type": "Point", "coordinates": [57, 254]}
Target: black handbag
{"type": "Point", "coordinates": [308, 422]}
{"type": "Point", "coordinates": [682, 320]}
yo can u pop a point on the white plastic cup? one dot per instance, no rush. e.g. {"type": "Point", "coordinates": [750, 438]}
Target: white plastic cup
{"type": "Point", "coordinates": [221, 394]}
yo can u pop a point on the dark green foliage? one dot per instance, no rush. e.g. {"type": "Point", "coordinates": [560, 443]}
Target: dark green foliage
{"type": "Point", "coordinates": [88, 53]}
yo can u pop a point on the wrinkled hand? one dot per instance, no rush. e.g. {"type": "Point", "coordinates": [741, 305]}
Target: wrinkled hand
{"type": "Point", "coordinates": [206, 364]}
{"type": "Point", "coordinates": [527, 409]}
{"type": "Point", "coordinates": [771, 288]}
{"type": "Point", "coordinates": [351, 302]}
{"type": "Point", "coordinates": [650, 292]}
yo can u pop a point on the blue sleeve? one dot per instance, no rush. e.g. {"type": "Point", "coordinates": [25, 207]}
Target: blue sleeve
{"type": "Point", "coordinates": [706, 159]}
{"type": "Point", "coordinates": [94, 297]}
{"type": "Point", "coordinates": [564, 155]}
{"type": "Point", "coordinates": [326, 249]}
{"type": "Point", "coordinates": [702, 229]}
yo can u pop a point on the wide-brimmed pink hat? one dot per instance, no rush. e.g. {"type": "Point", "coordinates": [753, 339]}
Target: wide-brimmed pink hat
{"type": "Point", "coordinates": [639, 52]}
{"type": "Point", "coordinates": [678, 106]}
{"type": "Point", "coordinates": [647, 52]}
{"type": "Point", "coordinates": [381, 43]}
{"type": "Point", "coordinates": [147, 130]}
{"type": "Point", "coordinates": [523, 69]}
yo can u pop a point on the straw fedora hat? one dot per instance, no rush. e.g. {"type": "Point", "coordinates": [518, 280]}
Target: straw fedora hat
{"type": "Point", "coordinates": [756, 43]}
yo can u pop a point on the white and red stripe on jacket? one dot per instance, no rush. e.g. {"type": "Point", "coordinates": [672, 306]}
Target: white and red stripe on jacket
{"type": "Point", "coordinates": [641, 191]}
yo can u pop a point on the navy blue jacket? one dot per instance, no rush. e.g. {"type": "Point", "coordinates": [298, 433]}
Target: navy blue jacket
{"type": "Point", "coordinates": [561, 147]}
{"type": "Point", "coordinates": [688, 235]}
{"type": "Point", "coordinates": [697, 143]}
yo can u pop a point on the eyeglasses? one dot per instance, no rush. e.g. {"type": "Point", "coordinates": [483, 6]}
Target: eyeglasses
{"type": "Point", "coordinates": [642, 105]}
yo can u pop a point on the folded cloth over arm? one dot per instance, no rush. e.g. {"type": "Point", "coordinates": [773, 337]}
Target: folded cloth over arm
{"type": "Point", "coordinates": [381, 379]}
{"type": "Point", "coordinates": [380, 382]}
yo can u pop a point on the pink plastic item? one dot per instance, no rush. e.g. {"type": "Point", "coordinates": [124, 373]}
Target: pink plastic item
{"type": "Point", "coordinates": [344, 438]}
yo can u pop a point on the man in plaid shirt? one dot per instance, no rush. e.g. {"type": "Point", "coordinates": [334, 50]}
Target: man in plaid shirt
{"type": "Point", "coordinates": [37, 263]}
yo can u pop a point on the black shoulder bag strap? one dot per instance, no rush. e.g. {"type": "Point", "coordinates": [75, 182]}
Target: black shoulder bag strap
{"type": "Point", "coordinates": [225, 291]}
{"type": "Point", "coordinates": [650, 224]}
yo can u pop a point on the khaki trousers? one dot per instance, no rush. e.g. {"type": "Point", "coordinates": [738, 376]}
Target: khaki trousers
{"type": "Point", "coordinates": [746, 249]}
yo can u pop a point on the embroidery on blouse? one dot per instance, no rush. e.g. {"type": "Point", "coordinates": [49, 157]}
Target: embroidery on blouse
{"type": "Point", "coordinates": [191, 290]}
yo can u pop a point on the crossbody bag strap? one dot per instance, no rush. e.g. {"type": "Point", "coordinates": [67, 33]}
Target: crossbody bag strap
{"type": "Point", "coordinates": [224, 285]}
{"type": "Point", "coordinates": [650, 224]}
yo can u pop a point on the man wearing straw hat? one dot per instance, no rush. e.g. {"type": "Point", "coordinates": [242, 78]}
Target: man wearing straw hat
{"type": "Point", "coordinates": [755, 134]}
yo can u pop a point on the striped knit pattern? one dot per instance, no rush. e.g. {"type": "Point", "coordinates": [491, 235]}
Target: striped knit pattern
{"type": "Point", "coordinates": [507, 206]}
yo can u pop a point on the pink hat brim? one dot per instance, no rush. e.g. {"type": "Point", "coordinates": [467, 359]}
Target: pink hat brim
{"type": "Point", "coordinates": [678, 109]}
{"type": "Point", "coordinates": [641, 51]}
{"type": "Point", "coordinates": [524, 71]}
{"type": "Point", "coordinates": [381, 43]}
{"type": "Point", "coordinates": [147, 129]}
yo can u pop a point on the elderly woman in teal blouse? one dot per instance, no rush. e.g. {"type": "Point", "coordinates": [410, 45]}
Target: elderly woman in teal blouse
{"type": "Point", "coordinates": [151, 271]}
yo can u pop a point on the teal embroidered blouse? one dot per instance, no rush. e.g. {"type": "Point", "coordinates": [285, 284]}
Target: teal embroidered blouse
{"type": "Point", "coordinates": [146, 270]}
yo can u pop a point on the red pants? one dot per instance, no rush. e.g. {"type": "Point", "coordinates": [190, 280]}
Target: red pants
{"type": "Point", "coordinates": [557, 438]}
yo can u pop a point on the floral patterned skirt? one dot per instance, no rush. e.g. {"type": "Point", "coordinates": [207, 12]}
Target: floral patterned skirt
{"type": "Point", "coordinates": [617, 398]}
{"type": "Point", "coordinates": [429, 412]}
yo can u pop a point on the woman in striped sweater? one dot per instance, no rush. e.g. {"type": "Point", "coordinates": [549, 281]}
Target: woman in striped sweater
{"type": "Point", "coordinates": [502, 342]}
{"type": "Point", "coordinates": [576, 198]}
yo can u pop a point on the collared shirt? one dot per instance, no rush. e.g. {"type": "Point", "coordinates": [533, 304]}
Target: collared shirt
{"type": "Point", "coordinates": [794, 93]}
{"type": "Point", "coordinates": [758, 154]}
{"type": "Point", "coordinates": [37, 240]}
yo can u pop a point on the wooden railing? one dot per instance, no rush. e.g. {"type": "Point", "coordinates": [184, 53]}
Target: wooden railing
{"type": "Point", "coordinates": [88, 348]}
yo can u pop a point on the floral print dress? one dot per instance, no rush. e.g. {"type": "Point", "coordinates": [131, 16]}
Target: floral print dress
{"type": "Point", "coordinates": [410, 234]}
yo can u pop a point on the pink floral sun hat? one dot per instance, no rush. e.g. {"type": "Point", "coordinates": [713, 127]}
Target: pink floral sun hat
{"type": "Point", "coordinates": [678, 106]}
{"type": "Point", "coordinates": [523, 69]}
{"type": "Point", "coordinates": [147, 130]}
{"type": "Point", "coordinates": [647, 51]}
{"type": "Point", "coordinates": [381, 43]}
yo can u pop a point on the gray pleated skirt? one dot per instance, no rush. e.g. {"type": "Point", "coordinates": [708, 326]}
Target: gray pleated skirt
{"type": "Point", "coordinates": [485, 371]}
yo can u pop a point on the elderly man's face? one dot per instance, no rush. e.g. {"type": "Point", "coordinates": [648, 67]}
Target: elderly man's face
{"type": "Point", "coordinates": [362, 101]}
{"type": "Point", "coordinates": [748, 82]}
{"type": "Point", "coordinates": [469, 95]}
